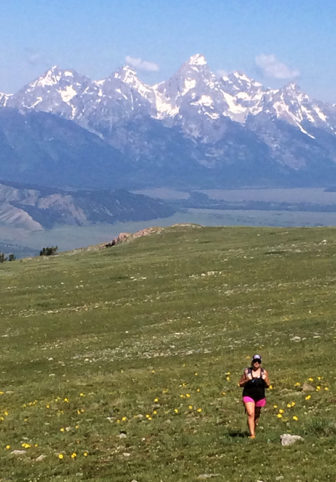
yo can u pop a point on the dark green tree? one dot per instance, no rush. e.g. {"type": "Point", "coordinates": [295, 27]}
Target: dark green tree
{"type": "Point", "coordinates": [48, 251]}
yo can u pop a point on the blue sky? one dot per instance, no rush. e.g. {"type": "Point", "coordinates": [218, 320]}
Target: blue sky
{"type": "Point", "coordinates": [273, 41]}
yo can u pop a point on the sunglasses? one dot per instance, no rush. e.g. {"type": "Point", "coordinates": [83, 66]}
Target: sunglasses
{"type": "Point", "coordinates": [256, 361]}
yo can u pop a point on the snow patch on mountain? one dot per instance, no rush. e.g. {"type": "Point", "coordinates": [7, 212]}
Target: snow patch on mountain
{"type": "Point", "coordinates": [67, 93]}
{"type": "Point", "coordinates": [51, 77]}
{"type": "Point", "coordinates": [163, 106]}
{"type": "Point", "coordinates": [128, 76]}
{"type": "Point", "coordinates": [4, 99]}
{"type": "Point", "coordinates": [197, 59]}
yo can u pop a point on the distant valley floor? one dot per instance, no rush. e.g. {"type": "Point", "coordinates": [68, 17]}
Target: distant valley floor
{"type": "Point", "coordinates": [71, 237]}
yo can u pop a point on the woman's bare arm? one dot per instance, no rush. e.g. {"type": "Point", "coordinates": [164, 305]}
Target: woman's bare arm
{"type": "Point", "coordinates": [266, 378]}
{"type": "Point", "coordinates": [245, 378]}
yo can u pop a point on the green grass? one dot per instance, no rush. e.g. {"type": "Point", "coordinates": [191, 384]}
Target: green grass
{"type": "Point", "coordinates": [129, 358]}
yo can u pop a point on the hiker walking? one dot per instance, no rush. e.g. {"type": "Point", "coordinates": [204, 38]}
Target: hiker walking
{"type": "Point", "coordinates": [254, 382]}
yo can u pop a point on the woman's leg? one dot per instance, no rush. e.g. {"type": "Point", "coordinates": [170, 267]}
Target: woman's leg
{"type": "Point", "coordinates": [258, 407]}
{"type": "Point", "coordinates": [250, 411]}
{"type": "Point", "coordinates": [257, 412]}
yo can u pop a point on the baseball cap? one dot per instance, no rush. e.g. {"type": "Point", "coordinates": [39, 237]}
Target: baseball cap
{"type": "Point", "coordinates": [256, 357]}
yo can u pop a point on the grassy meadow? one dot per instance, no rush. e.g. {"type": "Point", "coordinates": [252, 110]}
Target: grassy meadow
{"type": "Point", "coordinates": [121, 364]}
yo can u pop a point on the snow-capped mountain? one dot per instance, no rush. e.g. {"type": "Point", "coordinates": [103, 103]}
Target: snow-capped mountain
{"type": "Point", "coordinates": [193, 93]}
{"type": "Point", "coordinates": [115, 100]}
{"type": "Point", "coordinates": [57, 91]}
{"type": "Point", "coordinates": [194, 119]}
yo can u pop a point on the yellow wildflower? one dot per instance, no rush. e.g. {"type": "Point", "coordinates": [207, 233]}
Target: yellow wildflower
{"type": "Point", "coordinates": [326, 389]}
{"type": "Point", "coordinates": [60, 456]}
{"type": "Point", "coordinates": [318, 388]}
{"type": "Point", "coordinates": [308, 397]}
{"type": "Point", "coordinates": [279, 415]}
{"type": "Point", "coordinates": [295, 418]}
{"type": "Point", "coordinates": [85, 454]}
{"type": "Point", "coordinates": [190, 407]}
{"type": "Point", "coordinates": [124, 419]}
{"type": "Point", "coordinates": [310, 379]}
{"type": "Point", "coordinates": [82, 395]}
{"type": "Point", "coordinates": [176, 410]}
{"type": "Point", "coordinates": [188, 395]}
{"type": "Point", "coordinates": [275, 406]}
{"type": "Point", "coordinates": [73, 455]}
{"type": "Point", "coordinates": [297, 384]}
{"type": "Point", "coordinates": [281, 410]}
{"type": "Point", "coordinates": [199, 410]}
{"type": "Point", "coordinates": [8, 447]}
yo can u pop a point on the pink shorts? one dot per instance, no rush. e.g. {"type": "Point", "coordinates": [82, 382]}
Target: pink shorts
{"type": "Point", "coordinates": [259, 403]}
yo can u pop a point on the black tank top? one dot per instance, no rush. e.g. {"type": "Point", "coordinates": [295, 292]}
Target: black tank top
{"type": "Point", "coordinates": [255, 388]}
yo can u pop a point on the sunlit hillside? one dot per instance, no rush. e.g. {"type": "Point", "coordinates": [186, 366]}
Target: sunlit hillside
{"type": "Point", "coordinates": [122, 363]}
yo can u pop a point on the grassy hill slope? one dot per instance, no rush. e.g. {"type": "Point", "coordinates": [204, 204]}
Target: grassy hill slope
{"type": "Point", "coordinates": [122, 363]}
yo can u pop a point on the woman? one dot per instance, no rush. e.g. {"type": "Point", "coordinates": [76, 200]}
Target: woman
{"type": "Point", "coordinates": [254, 380]}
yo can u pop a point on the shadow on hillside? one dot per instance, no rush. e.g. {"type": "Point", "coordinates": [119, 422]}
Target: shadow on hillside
{"type": "Point", "coordinates": [238, 434]}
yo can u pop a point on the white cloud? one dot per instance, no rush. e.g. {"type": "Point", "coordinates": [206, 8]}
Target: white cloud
{"type": "Point", "coordinates": [33, 57]}
{"type": "Point", "coordinates": [272, 67]}
{"type": "Point", "coordinates": [142, 64]}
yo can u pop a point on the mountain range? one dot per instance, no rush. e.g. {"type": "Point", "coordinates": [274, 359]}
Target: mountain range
{"type": "Point", "coordinates": [195, 130]}
{"type": "Point", "coordinates": [35, 209]}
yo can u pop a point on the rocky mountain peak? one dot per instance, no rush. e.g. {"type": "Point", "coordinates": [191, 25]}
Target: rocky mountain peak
{"type": "Point", "coordinates": [197, 59]}
{"type": "Point", "coordinates": [49, 78]}
{"type": "Point", "coordinates": [194, 100]}
{"type": "Point", "coordinates": [126, 74]}
{"type": "Point", "coordinates": [57, 79]}
{"type": "Point", "coordinates": [292, 89]}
